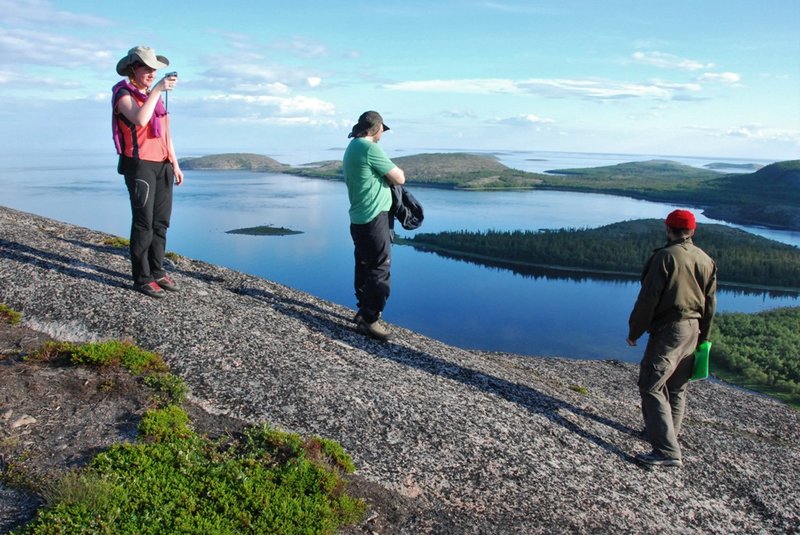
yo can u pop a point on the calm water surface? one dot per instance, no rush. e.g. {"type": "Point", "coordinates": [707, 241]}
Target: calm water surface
{"type": "Point", "coordinates": [455, 301]}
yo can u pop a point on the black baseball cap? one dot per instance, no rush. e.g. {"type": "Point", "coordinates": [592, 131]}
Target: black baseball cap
{"type": "Point", "coordinates": [367, 121]}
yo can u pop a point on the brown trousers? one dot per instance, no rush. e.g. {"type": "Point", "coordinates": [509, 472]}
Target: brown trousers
{"type": "Point", "coordinates": [663, 376]}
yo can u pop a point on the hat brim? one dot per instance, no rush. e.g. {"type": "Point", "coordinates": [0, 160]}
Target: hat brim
{"type": "Point", "coordinates": [122, 65]}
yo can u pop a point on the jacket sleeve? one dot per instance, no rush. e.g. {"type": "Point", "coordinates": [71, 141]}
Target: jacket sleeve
{"type": "Point", "coordinates": [654, 279]}
{"type": "Point", "coordinates": [710, 304]}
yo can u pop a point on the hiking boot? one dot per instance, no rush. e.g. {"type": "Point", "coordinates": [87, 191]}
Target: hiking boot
{"type": "Point", "coordinates": [151, 289]}
{"type": "Point", "coordinates": [360, 317]}
{"type": "Point", "coordinates": [167, 283]}
{"type": "Point", "coordinates": [656, 459]}
{"type": "Point", "coordinates": [373, 330]}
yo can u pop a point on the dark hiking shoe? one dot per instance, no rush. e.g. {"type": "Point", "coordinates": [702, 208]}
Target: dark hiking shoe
{"type": "Point", "coordinates": [373, 330]}
{"type": "Point", "coordinates": [656, 459]}
{"type": "Point", "coordinates": [167, 283]}
{"type": "Point", "coordinates": [151, 289]}
{"type": "Point", "coordinates": [360, 317]}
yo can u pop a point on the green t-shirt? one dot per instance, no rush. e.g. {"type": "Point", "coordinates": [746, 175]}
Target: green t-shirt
{"type": "Point", "coordinates": [364, 166]}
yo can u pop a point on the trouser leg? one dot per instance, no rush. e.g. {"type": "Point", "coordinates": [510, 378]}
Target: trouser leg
{"type": "Point", "coordinates": [151, 206]}
{"type": "Point", "coordinates": [662, 383]}
{"type": "Point", "coordinates": [373, 258]}
{"type": "Point", "coordinates": [677, 387]}
{"type": "Point", "coordinates": [162, 211]}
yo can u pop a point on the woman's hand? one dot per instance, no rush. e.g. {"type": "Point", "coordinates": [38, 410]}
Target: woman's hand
{"type": "Point", "coordinates": [167, 83]}
{"type": "Point", "coordinates": [178, 174]}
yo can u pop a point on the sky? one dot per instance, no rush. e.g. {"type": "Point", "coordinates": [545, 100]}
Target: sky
{"type": "Point", "coordinates": [679, 77]}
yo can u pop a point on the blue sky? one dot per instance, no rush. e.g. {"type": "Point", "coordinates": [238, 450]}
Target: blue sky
{"type": "Point", "coordinates": [683, 77]}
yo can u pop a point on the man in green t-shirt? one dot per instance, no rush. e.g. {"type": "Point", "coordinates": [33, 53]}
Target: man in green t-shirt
{"type": "Point", "coordinates": [368, 173]}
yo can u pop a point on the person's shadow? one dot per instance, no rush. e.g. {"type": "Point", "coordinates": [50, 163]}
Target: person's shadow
{"type": "Point", "coordinates": [523, 395]}
{"type": "Point", "coordinates": [64, 264]}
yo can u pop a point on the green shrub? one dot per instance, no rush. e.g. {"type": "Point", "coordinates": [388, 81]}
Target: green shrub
{"type": "Point", "coordinates": [163, 425]}
{"type": "Point", "coordinates": [109, 353]}
{"type": "Point", "coordinates": [193, 485]}
{"type": "Point", "coordinates": [167, 388]}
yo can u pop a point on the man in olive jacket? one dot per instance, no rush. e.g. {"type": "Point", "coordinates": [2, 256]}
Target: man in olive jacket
{"type": "Point", "coordinates": [675, 305]}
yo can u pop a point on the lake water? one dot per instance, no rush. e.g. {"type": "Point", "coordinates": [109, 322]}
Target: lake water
{"type": "Point", "coordinates": [455, 301]}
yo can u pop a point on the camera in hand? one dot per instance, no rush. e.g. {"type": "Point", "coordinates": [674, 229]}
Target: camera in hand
{"type": "Point", "coordinates": [173, 74]}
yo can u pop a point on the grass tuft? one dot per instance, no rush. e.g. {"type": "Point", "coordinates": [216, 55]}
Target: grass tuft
{"type": "Point", "coordinates": [116, 241]}
{"type": "Point", "coordinates": [579, 389]}
{"type": "Point", "coordinates": [9, 315]}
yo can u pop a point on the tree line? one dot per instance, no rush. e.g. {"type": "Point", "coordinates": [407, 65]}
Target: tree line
{"type": "Point", "coordinates": [741, 257]}
{"type": "Point", "coordinates": [759, 351]}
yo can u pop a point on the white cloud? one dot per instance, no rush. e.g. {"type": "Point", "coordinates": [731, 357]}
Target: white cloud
{"type": "Point", "coordinates": [594, 89]}
{"type": "Point", "coordinates": [256, 77]}
{"type": "Point", "coordinates": [669, 61]}
{"type": "Point", "coordinates": [721, 77]}
{"type": "Point", "coordinates": [275, 88]}
{"type": "Point", "coordinates": [742, 131]}
{"type": "Point", "coordinates": [555, 88]}
{"type": "Point", "coordinates": [756, 132]}
{"type": "Point", "coordinates": [20, 46]}
{"type": "Point", "coordinates": [38, 12]}
{"type": "Point", "coordinates": [285, 107]}
{"type": "Point", "coordinates": [459, 114]}
{"type": "Point", "coordinates": [8, 77]}
{"type": "Point", "coordinates": [483, 86]}
{"type": "Point", "coordinates": [302, 47]}
{"type": "Point", "coordinates": [525, 120]}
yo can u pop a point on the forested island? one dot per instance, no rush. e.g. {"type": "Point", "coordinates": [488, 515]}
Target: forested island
{"type": "Point", "coordinates": [767, 197]}
{"type": "Point", "coordinates": [620, 249]}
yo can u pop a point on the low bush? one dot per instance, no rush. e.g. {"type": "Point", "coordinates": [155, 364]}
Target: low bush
{"type": "Point", "coordinates": [261, 482]}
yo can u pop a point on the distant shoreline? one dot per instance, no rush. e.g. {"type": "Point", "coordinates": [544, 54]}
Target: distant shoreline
{"type": "Point", "coordinates": [768, 197]}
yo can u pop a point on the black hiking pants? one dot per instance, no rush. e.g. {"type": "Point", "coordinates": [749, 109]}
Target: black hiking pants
{"type": "Point", "coordinates": [373, 258]}
{"type": "Point", "coordinates": [150, 190]}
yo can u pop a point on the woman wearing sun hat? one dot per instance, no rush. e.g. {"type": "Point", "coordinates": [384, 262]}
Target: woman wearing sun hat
{"type": "Point", "coordinates": [147, 160]}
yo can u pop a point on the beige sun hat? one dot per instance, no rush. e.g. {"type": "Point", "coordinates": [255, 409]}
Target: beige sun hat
{"type": "Point", "coordinates": [146, 55]}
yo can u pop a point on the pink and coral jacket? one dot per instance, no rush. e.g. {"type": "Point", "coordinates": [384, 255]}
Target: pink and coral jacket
{"type": "Point", "coordinates": [139, 142]}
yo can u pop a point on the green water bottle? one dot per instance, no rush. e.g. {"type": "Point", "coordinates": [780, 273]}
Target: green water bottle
{"type": "Point", "coordinates": [700, 370]}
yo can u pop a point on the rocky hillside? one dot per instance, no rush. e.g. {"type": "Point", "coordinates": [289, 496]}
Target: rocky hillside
{"type": "Point", "coordinates": [770, 196]}
{"type": "Point", "coordinates": [463, 442]}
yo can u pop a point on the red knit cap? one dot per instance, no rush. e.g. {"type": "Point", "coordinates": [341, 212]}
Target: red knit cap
{"type": "Point", "coordinates": [681, 219]}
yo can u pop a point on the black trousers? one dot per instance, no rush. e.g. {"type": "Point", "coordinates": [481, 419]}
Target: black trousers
{"type": "Point", "coordinates": [373, 257]}
{"type": "Point", "coordinates": [150, 190]}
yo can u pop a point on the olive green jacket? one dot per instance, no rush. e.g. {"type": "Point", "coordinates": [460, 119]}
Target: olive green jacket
{"type": "Point", "coordinates": [679, 281]}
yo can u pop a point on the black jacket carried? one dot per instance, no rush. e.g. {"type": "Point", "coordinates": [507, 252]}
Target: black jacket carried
{"type": "Point", "coordinates": [405, 208]}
